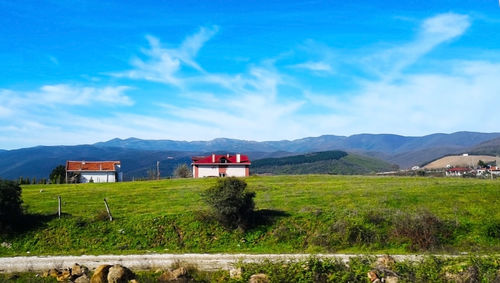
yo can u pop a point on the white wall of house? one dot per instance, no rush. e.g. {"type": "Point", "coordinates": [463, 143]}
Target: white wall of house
{"type": "Point", "coordinates": [236, 171]}
{"type": "Point", "coordinates": [208, 171]}
{"type": "Point", "coordinates": [98, 177]}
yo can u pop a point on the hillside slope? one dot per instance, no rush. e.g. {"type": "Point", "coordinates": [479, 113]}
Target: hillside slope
{"type": "Point", "coordinates": [461, 161]}
{"type": "Point", "coordinates": [491, 147]}
{"type": "Point", "coordinates": [301, 214]}
{"type": "Point", "coordinates": [328, 162]}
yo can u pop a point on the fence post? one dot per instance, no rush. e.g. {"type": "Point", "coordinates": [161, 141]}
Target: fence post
{"type": "Point", "coordinates": [59, 207]}
{"type": "Point", "coordinates": [107, 209]}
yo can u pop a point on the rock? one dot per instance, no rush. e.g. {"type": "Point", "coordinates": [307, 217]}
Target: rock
{"type": "Point", "coordinates": [120, 274]}
{"type": "Point", "coordinates": [385, 262]}
{"type": "Point", "coordinates": [179, 272]}
{"type": "Point", "coordinates": [100, 274]}
{"type": "Point", "coordinates": [235, 273]}
{"type": "Point", "coordinates": [79, 270]}
{"type": "Point", "coordinates": [178, 275]}
{"type": "Point", "coordinates": [259, 278]}
{"type": "Point", "coordinates": [133, 281]}
{"type": "Point", "coordinates": [6, 245]}
{"type": "Point", "coordinates": [372, 276]}
{"type": "Point", "coordinates": [84, 278]}
{"type": "Point", "coordinates": [391, 279]}
{"type": "Point", "coordinates": [51, 272]}
{"type": "Point", "coordinates": [64, 275]}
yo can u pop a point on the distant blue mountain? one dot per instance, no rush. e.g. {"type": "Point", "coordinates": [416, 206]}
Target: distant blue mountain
{"type": "Point", "coordinates": [138, 156]}
{"type": "Point", "coordinates": [382, 143]}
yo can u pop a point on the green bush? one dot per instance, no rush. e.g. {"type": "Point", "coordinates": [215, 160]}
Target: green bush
{"type": "Point", "coordinates": [424, 230]}
{"type": "Point", "coordinates": [182, 171]}
{"type": "Point", "coordinates": [232, 204]}
{"type": "Point", "coordinates": [10, 203]}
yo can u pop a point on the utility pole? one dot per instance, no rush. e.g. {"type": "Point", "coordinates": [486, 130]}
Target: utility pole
{"type": "Point", "coordinates": [158, 168]}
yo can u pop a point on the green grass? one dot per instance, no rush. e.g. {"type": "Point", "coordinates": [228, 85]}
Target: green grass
{"type": "Point", "coordinates": [318, 213]}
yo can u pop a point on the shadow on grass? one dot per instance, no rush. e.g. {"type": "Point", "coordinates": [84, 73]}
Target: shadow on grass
{"type": "Point", "coordinates": [29, 222]}
{"type": "Point", "coordinates": [266, 217]}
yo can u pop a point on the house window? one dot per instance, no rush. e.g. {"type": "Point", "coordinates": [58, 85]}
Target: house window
{"type": "Point", "coordinates": [223, 160]}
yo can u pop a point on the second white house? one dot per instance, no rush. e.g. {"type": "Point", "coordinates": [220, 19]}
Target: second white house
{"type": "Point", "coordinates": [216, 165]}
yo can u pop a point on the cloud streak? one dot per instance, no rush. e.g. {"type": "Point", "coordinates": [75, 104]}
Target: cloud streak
{"type": "Point", "coordinates": [163, 65]}
{"type": "Point", "coordinates": [434, 31]}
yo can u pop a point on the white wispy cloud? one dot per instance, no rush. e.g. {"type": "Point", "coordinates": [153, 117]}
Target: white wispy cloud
{"type": "Point", "coordinates": [54, 96]}
{"type": "Point", "coordinates": [72, 95]}
{"type": "Point", "coordinates": [314, 66]}
{"type": "Point", "coordinates": [163, 65]}
{"type": "Point", "coordinates": [434, 31]}
{"type": "Point", "coordinates": [420, 103]}
{"type": "Point", "coordinates": [458, 96]}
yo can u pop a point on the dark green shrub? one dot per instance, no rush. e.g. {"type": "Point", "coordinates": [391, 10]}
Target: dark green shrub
{"type": "Point", "coordinates": [232, 204]}
{"type": "Point", "coordinates": [493, 229]}
{"type": "Point", "coordinates": [10, 202]}
{"type": "Point", "coordinates": [58, 175]}
{"type": "Point", "coordinates": [424, 230]}
{"type": "Point", "coordinates": [359, 234]}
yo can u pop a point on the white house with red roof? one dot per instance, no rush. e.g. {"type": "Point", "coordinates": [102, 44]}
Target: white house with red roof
{"type": "Point", "coordinates": [216, 165]}
{"type": "Point", "coordinates": [95, 171]}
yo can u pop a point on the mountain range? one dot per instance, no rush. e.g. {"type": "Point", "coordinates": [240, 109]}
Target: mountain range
{"type": "Point", "coordinates": [139, 156]}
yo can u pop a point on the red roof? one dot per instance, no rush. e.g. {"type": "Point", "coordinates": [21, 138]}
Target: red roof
{"type": "Point", "coordinates": [220, 159]}
{"type": "Point", "coordinates": [91, 165]}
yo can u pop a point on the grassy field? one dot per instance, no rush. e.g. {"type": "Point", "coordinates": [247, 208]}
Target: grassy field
{"type": "Point", "coordinates": [308, 213]}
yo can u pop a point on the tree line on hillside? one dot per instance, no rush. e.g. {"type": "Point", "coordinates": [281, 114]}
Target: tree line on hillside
{"type": "Point", "coordinates": [300, 159]}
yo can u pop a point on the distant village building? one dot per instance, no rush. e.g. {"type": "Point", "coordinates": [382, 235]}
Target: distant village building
{"type": "Point", "coordinates": [457, 171]}
{"type": "Point", "coordinates": [494, 170]}
{"type": "Point", "coordinates": [95, 171]}
{"type": "Point", "coordinates": [221, 166]}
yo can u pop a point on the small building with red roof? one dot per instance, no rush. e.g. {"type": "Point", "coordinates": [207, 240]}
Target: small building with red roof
{"type": "Point", "coordinates": [95, 171]}
{"type": "Point", "coordinates": [219, 165]}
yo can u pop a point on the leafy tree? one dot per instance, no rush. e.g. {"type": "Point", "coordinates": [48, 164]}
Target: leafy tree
{"type": "Point", "coordinates": [182, 171]}
{"type": "Point", "coordinates": [10, 203]}
{"type": "Point", "coordinates": [58, 175]}
{"type": "Point", "coordinates": [232, 204]}
{"type": "Point", "coordinates": [481, 164]}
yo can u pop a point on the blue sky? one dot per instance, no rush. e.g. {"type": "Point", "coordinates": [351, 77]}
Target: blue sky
{"type": "Point", "coordinates": [77, 72]}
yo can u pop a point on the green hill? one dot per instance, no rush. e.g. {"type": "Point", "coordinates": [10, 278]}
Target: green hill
{"type": "Point", "coordinates": [302, 213]}
{"type": "Point", "coordinates": [327, 162]}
